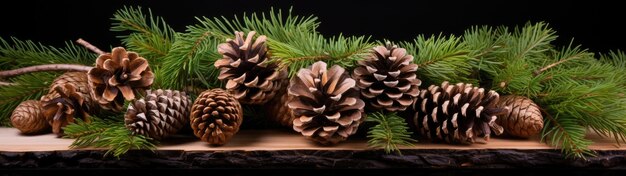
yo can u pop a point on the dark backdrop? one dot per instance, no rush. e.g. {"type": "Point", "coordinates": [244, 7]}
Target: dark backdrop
{"type": "Point", "coordinates": [597, 25]}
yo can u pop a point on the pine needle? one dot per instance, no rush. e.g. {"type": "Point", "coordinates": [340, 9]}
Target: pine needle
{"type": "Point", "coordinates": [109, 134]}
{"type": "Point", "coordinates": [390, 132]}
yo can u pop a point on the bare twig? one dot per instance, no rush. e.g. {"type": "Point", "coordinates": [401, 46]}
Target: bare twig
{"type": "Point", "coordinates": [42, 68]}
{"type": "Point", "coordinates": [7, 84]}
{"type": "Point", "coordinates": [90, 46]}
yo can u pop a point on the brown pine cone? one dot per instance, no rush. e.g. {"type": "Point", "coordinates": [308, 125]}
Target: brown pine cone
{"type": "Point", "coordinates": [387, 78]}
{"type": "Point", "coordinates": [524, 120]}
{"type": "Point", "coordinates": [277, 109]}
{"type": "Point", "coordinates": [216, 116]}
{"type": "Point", "coordinates": [116, 76]}
{"type": "Point", "coordinates": [159, 114]}
{"type": "Point", "coordinates": [80, 81]}
{"type": "Point", "coordinates": [28, 118]}
{"type": "Point", "coordinates": [326, 103]}
{"type": "Point", "coordinates": [251, 78]}
{"type": "Point", "coordinates": [61, 111]}
{"type": "Point", "coordinates": [457, 113]}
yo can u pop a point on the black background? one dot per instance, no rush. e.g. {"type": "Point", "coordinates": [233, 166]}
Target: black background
{"type": "Point", "coordinates": [597, 25]}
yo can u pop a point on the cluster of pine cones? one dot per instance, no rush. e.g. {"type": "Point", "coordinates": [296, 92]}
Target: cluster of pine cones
{"type": "Point", "coordinates": [324, 103]}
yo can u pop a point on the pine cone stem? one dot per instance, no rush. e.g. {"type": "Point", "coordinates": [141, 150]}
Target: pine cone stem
{"type": "Point", "coordinates": [89, 46]}
{"type": "Point", "coordinates": [44, 68]}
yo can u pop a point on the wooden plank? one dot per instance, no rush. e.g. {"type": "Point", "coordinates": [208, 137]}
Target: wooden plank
{"type": "Point", "coordinates": [257, 140]}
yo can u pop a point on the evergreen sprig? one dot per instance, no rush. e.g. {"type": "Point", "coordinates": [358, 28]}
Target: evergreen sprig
{"type": "Point", "coordinates": [304, 49]}
{"type": "Point", "coordinates": [109, 134]}
{"type": "Point", "coordinates": [390, 132]}
{"type": "Point", "coordinates": [442, 58]}
{"type": "Point", "coordinates": [146, 34]}
{"type": "Point", "coordinates": [16, 53]}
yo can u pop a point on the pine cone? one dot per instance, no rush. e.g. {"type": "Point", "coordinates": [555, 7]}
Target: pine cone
{"type": "Point", "coordinates": [64, 109]}
{"type": "Point", "coordinates": [277, 109]}
{"type": "Point", "coordinates": [387, 78]}
{"type": "Point", "coordinates": [216, 116]}
{"type": "Point", "coordinates": [80, 81]}
{"type": "Point", "coordinates": [524, 119]}
{"type": "Point", "coordinates": [28, 118]}
{"type": "Point", "coordinates": [159, 114]}
{"type": "Point", "coordinates": [251, 78]}
{"type": "Point", "coordinates": [325, 103]}
{"type": "Point", "coordinates": [457, 113]}
{"type": "Point", "coordinates": [116, 76]}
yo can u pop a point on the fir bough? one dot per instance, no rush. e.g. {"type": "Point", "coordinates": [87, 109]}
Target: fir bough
{"type": "Point", "coordinates": [390, 132]}
{"type": "Point", "coordinates": [109, 134]}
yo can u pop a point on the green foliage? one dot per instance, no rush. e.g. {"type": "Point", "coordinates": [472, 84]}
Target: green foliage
{"type": "Point", "coordinates": [109, 134]}
{"type": "Point", "coordinates": [304, 49]}
{"type": "Point", "coordinates": [147, 35]}
{"type": "Point", "coordinates": [28, 87]}
{"type": "Point", "coordinates": [442, 58]}
{"type": "Point", "coordinates": [18, 53]}
{"type": "Point", "coordinates": [390, 132]}
{"type": "Point", "coordinates": [576, 91]}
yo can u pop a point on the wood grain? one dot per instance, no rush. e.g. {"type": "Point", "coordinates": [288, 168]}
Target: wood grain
{"type": "Point", "coordinates": [271, 140]}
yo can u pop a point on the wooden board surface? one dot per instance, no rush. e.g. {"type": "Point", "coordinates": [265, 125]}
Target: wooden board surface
{"type": "Point", "coordinates": [251, 140]}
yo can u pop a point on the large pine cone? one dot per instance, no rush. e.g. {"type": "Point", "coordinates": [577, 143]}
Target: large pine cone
{"type": "Point", "coordinates": [325, 103]}
{"type": "Point", "coordinates": [524, 120]}
{"type": "Point", "coordinates": [387, 78]}
{"type": "Point", "coordinates": [251, 78]}
{"type": "Point", "coordinates": [61, 111]}
{"type": "Point", "coordinates": [159, 114]}
{"type": "Point", "coordinates": [116, 76]}
{"type": "Point", "coordinates": [80, 81]}
{"type": "Point", "coordinates": [28, 118]}
{"type": "Point", "coordinates": [457, 113]}
{"type": "Point", "coordinates": [216, 116]}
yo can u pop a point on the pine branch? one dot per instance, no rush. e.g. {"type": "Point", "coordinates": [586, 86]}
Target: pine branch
{"type": "Point", "coordinates": [305, 49]}
{"type": "Point", "coordinates": [90, 47]}
{"type": "Point", "coordinates": [148, 35]}
{"type": "Point", "coordinates": [26, 87]}
{"type": "Point", "coordinates": [566, 134]}
{"type": "Point", "coordinates": [106, 134]}
{"type": "Point", "coordinates": [17, 54]}
{"type": "Point", "coordinates": [441, 59]}
{"type": "Point", "coordinates": [44, 68]}
{"type": "Point", "coordinates": [390, 132]}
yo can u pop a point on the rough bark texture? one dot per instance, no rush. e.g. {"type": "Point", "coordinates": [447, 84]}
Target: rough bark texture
{"type": "Point", "coordinates": [344, 159]}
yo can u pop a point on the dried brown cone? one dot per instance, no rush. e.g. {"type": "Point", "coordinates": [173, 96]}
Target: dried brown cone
{"type": "Point", "coordinates": [159, 114]}
{"type": "Point", "coordinates": [80, 81]}
{"type": "Point", "coordinates": [278, 110]}
{"type": "Point", "coordinates": [28, 118]}
{"type": "Point", "coordinates": [61, 111]}
{"type": "Point", "coordinates": [252, 79]}
{"type": "Point", "coordinates": [457, 113]}
{"type": "Point", "coordinates": [117, 76]}
{"type": "Point", "coordinates": [387, 78]}
{"type": "Point", "coordinates": [216, 116]}
{"type": "Point", "coordinates": [326, 103]}
{"type": "Point", "coordinates": [524, 120]}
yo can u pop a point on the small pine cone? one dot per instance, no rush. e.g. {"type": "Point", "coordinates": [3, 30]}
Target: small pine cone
{"type": "Point", "coordinates": [216, 116]}
{"type": "Point", "coordinates": [387, 78]}
{"type": "Point", "coordinates": [524, 120]}
{"type": "Point", "coordinates": [80, 81]}
{"type": "Point", "coordinates": [325, 103]}
{"type": "Point", "coordinates": [251, 78]}
{"type": "Point", "coordinates": [159, 114]}
{"type": "Point", "coordinates": [28, 118]}
{"type": "Point", "coordinates": [457, 113]}
{"type": "Point", "coordinates": [116, 76]}
{"type": "Point", "coordinates": [278, 111]}
{"type": "Point", "coordinates": [61, 111]}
